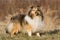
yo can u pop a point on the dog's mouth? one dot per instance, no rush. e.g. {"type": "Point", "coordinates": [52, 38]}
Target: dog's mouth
{"type": "Point", "coordinates": [35, 14]}
{"type": "Point", "coordinates": [32, 15]}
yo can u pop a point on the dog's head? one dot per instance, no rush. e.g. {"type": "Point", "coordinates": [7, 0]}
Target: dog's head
{"type": "Point", "coordinates": [35, 11]}
{"type": "Point", "coordinates": [32, 12]}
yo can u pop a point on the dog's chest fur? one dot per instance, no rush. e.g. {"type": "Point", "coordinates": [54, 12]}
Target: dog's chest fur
{"type": "Point", "coordinates": [36, 22]}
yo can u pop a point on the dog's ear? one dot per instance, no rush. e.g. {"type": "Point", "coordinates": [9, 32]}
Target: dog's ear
{"type": "Point", "coordinates": [38, 6]}
{"type": "Point", "coordinates": [31, 7]}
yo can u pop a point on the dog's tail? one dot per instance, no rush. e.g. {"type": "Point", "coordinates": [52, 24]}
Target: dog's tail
{"type": "Point", "coordinates": [9, 27]}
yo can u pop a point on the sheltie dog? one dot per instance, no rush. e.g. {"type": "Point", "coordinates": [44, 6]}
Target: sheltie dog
{"type": "Point", "coordinates": [30, 23]}
{"type": "Point", "coordinates": [35, 21]}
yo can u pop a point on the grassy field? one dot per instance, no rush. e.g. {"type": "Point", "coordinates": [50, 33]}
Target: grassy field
{"type": "Point", "coordinates": [21, 36]}
{"type": "Point", "coordinates": [52, 35]}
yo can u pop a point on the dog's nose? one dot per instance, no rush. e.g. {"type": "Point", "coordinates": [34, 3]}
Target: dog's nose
{"type": "Point", "coordinates": [32, 14]}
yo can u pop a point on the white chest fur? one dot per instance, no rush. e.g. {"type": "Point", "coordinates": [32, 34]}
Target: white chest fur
{"type": "Point", "coordinates": [36, 22]}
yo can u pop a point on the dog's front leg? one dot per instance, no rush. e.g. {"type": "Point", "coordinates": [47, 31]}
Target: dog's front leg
{"type": "Point", "coordinates": [38, 34]}
{"type": "Point", "coordinates": [30, 33]}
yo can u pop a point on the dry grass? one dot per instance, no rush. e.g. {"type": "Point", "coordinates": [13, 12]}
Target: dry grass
{"type": "Point", "coordinates": [51, 35]}
{"type": "Point", "coordinates": [21, 36]}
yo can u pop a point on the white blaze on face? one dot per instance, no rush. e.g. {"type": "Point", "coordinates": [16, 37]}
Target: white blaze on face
{"type": "Point", "coordinates": [33, 12]}
{"type": "Point", "coordinates": [10, 27]}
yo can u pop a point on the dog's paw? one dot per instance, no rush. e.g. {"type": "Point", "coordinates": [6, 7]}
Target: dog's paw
{"type": "Point", "coordinates": [38, 34]}
{"type": "Point", "coordinates": [30, 34]}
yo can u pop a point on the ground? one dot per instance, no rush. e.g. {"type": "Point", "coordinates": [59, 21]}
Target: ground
{"type": "Point", "coordinates": [21, 36]}
{"type": "Point", "coordinates": [25, 37]}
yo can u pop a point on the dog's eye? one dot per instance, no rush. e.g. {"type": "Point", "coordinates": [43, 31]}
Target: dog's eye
{"type": "Point", "coordinates": [37, 13]}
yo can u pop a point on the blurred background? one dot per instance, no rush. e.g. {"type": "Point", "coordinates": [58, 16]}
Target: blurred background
{"type": "Point", "coordinates": [50, 9]}
{"type": "Point", "coordinates": [11, 6]}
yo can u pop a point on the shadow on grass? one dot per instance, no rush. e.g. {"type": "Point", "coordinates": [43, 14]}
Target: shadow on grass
{"type": "Point", "coordinates": [50, 32]}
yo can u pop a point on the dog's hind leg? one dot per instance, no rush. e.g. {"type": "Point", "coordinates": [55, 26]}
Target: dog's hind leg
{"type": "Point", "coordinates": [12, 33]}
